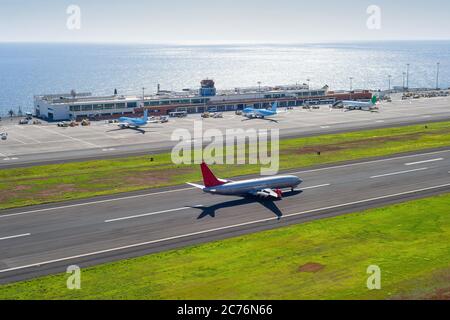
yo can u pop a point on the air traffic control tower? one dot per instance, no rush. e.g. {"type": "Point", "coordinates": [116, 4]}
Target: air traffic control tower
{"type": "Point", "coordinates": [207, 88]}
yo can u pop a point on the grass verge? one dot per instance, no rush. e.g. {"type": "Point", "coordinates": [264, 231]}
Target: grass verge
{"type": "Point", "coordinates": [323, 259]}
{"type": "Point", "coordinates": [52, 183]}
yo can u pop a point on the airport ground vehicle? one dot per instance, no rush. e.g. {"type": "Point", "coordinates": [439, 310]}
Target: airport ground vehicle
{"type": "Point", "coordinates": [23, 121]}
{"type": "Point", "coordinates": [3, 135]}
{"type": "Point", "coordinates": [179, 114]}
{"type": "Point", "coordinates": [62, 124]}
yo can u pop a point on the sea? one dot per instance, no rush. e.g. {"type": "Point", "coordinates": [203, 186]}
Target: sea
{"type": "Point", "coordinates": [28, 69]}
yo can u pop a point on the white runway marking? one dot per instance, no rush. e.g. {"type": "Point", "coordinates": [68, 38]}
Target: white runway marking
{"type": "Point", "coordinates": [397, 173]}
{"type": "Point", "coordinates": [218, 229]}
{"type": "Point", "coordinates": [17, 236]}
{"type": "Point", "coordinates": [425, 161]}
{"type": "Point", "coordinates": [370, 162]}
{"type": "Point", "coordinates": [93, 202]}
{"type": "Point", "coordinates": [185, 189]}
{"type": "Point", "coordinates": [315, 187]}
{"type": "Point", "coordinates": [146, 214]}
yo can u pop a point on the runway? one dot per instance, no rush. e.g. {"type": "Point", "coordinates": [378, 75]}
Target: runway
{"type": "Point", "coordinates": [47, 239]}
{"type": "Point", "coordinates": [47, 144]}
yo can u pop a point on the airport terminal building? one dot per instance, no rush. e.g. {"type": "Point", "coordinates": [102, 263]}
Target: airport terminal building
{"type": "Point", "coordinates": [76, 106]}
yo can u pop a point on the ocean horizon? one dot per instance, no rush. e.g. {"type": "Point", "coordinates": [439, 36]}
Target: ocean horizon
{"type": "Point", "coordinates": [28, 69]}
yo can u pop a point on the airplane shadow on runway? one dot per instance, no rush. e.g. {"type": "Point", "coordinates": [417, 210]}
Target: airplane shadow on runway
{"type": "Point", "coordinates": [138, 130]}
{"type": "Point", "coordinates": [271, 120]}
{"type": "Point", "coordinates": [267, 203]}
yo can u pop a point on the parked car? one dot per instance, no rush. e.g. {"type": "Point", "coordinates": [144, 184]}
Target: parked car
{"type": "Point", "coordinates": [63, 124]}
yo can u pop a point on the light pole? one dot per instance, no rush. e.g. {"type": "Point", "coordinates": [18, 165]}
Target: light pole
{"type": "Point", "coordinates": [404, 77]}
{"type": "Point", "coordinates": [351, 84]}
{"type": "Point", "coordinates": [407, 76]}
{"type": "Point", "coordinates": [390, 77]}
{"type": "Point", "coordinates": [259, 93]}
{"type": "Point", "coordinates": [309, 83]}
{"type": "Point", "coordinates": [143, 97]}
{"type": "Point", "coordinates": [437, 75]}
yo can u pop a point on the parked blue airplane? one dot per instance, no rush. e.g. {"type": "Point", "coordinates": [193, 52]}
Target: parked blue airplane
{"type": "Point", "coordinates": [126, 122]}
{"type": "Point", "coordinates": [261, 113]}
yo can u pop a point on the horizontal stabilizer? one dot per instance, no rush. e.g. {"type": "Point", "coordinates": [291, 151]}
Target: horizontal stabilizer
{"type": "Point", "coordinates": [196, 185]}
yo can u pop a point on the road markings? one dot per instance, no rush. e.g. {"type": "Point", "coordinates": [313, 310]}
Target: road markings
{"type": "Point", "coordinates": [146, 214]}
{"type": "Point", "coordinates": [93, 202]}
{"type": "Point", "coordinates": [315, 187]}
{"type": "Point", "coordinates": [370, 162]}
{"type": "Point", "coordinates": [186, 189]}
{"type": "Point", "coordinates": [397, 173]}
{"type": "Point", "coordinates": [69, 137]}
{"type": "Point", "coordinates": [17, 236]}
{"type": "Point", "coordinates": [39, 264]}
{"type": "Point", "coordinates": [425, 161]}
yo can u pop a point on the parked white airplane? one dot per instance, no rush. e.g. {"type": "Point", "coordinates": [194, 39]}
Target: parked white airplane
{"type": "Point", "coordinates": [357, 105]}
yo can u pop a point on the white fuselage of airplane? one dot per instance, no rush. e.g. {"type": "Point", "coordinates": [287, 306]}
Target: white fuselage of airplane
{"type": "Point", "coordinates": [258, 187]}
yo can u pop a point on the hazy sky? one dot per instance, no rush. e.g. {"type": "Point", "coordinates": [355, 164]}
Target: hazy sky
{"type": "Point", "coordinates": [218, 21]}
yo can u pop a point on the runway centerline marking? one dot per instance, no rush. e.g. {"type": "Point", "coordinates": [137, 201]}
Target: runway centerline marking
{"type": "Point", "coordinates": [371, 161]}
{"type": "Point", "coordinates": [146, 214]}
{"type": "Point", "coordinates": [316, 187]}
{"type": "Point", "coordinates": [397, 173]}
{"type": "Point", "coordinates": [425, 161]}
{"type": "Point", "coordinates": [94, 202]}
{"type": "Point", "coordinates": [186, 189]}
{"type": "Point", "coordinates": [16, 236]}
{"type": "Point", "coordinates": [219, 229]}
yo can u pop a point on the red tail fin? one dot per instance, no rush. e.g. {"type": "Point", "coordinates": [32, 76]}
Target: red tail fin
{"type": "Point", "coordinates": [209, 179]}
